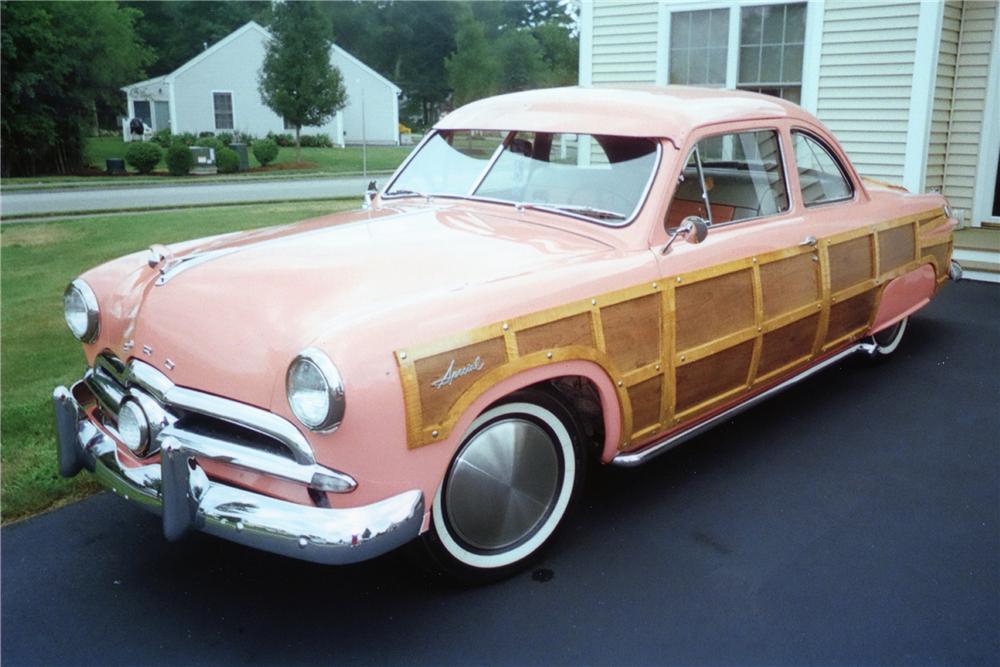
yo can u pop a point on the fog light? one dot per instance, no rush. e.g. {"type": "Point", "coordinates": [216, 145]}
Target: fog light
{"type": "Point", "coordinates": [133, 426]}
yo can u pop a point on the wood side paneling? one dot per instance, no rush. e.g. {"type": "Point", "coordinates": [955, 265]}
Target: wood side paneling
{"type": "Point", "coordinates": [850, 263]}
{"type": "Point", "coordinates": [712, 376]}
{"type": "Point", "coordinates": [789, 284]}
{"type": "Point", "coordinates": [573, 330]}
{"type": "Point", "coordinates": [645, 398]}
{"type": "Point", "coordinates": [436, 399]}
{"type": "Point", "coordinates": [711, 309]}
{"type": "Point", "coordinates": [895, 247]}
{"type": "Point", "coordinates": [787, 344]}
{"type": "Point", "coordinates": [763, 315]}
{"type": "Point", "coordinates": [632, 332]}
{"type": "Point", "coordinates": [850, 314]}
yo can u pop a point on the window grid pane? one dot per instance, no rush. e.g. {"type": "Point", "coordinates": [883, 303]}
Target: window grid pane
{"type": "Point", "coordinates": [223, 103]}
{"type": "Point", "coordinates": [771, 45]}
{"type": "Point", "coordinates": [699, 43]}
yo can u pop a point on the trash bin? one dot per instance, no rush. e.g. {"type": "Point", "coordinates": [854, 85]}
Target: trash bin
{"type": "Point", "coordinates": [115, 165]}
{"type": "Point", "coordinates": [244, 155]}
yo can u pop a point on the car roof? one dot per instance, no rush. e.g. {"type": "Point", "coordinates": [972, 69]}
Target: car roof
{"type": "Point", "coordinates": [634, 111]}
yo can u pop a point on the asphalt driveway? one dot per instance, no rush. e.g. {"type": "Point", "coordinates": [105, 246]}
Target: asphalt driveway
{"type": "Point", "coordinates": [853, 520]}
{"type": "Point", "coordinates": [78, 200]}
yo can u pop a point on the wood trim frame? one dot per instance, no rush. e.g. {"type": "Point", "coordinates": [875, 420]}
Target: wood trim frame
{"type": "Point", "coordinates": [668, 359]}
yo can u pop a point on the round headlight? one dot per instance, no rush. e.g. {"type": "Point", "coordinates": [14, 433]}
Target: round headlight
{"type": "Point", "coordinates": [80, 309]}
{"type": "Point", "coordinates": [315, 391]}
{"type": "Point", "coordinates": [133, 426]}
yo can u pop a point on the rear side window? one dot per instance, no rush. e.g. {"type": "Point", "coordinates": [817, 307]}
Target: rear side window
{"type": "Point", "coordinates": [740, 177]}
{"type": "Point", "coordinates": [821, 177]}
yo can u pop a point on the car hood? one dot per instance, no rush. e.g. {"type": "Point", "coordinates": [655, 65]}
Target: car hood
{"type": "Point", "coordinates": [244, 304]}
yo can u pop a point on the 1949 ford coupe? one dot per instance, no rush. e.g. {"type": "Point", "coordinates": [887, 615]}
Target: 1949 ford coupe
{"type": "Point", "coordinates": [552, 279]}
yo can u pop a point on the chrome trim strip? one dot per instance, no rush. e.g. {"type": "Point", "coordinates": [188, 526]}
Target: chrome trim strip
{"type": "Point", "coordinates": [182, 264]}
{"type": "Point", "coordinates": [160, 387]}
{"type": "Point", "coordinates": [637, 458]}
{"type": "Point", "coordinates": [187, 500]}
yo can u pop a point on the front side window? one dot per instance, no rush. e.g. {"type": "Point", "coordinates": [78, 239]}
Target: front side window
{"type": "Point", "coordinates": [821, 177]}
{"type": "Point", "coordinates": [223, 103]}
{"type": "Point", "coordinates": [594, 177]}
{"type": "Point", "coordinates": [739, 176]}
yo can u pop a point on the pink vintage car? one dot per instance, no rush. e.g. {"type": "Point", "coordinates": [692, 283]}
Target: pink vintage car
{"type": "Point", "coordinates": [553, 279]}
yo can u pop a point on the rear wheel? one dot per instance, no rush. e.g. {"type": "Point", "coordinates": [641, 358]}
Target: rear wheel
{"type": "Point", "coordinates": [512, 481]}
{"type": "Point", "coordinates": [887, 340]}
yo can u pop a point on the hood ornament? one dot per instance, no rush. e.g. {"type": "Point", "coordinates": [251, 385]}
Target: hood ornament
{"type": "Point", "coordinates": [160, 257]}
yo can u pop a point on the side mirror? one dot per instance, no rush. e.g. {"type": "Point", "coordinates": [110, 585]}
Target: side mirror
{"type": "Point", "coordinates": [370, 192]}
{"type": "Point", "coordinates": [693, 228]}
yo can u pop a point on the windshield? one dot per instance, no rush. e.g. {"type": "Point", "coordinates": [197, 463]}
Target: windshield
{"type": "Point", "coordinates": [595, 177]}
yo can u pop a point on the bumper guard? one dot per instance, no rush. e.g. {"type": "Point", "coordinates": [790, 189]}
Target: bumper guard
{"type": "Point", "coordinates": [180, 491]}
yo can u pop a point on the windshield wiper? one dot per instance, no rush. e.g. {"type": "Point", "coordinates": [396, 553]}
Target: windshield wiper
{"type": "Point", "coordinates": [586, 211]}
{"type": "Point", "coordinates": [407, 193]}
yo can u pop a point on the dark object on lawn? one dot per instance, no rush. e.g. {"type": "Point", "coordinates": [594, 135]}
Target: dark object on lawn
{"type": "Point", "coordinates": [115, 165]}
{"type": "Point", "coordinates": [243, 154]}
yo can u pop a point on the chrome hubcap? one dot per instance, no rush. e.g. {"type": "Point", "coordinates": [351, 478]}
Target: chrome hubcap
{"type": "Point", "coordinates": [503, 484]}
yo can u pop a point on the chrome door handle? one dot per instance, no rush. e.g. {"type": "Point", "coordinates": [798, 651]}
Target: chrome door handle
{"type": "Point", "coordinates": [809, 240]}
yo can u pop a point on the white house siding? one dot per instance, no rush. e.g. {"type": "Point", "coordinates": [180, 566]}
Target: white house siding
{"type": "Point", "coordinates": [966, 120]}
{"type": "Point", "coordinates": [865, 78]}
{"type": "Point", "coordinates": [943, 92]}
{"type": "Point", "coordinates": [380, 122]}
{"type": "Point", "coordinates": [624, 42]}
{"type": "Point", "coordinates": [232, 69]}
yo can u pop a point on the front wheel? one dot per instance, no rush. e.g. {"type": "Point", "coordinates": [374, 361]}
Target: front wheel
{"type": "Point", "coordinates": [513, 479]}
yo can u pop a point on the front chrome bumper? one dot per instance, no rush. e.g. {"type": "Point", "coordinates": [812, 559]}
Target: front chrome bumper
{"type": "Point", "coordinates": [179, 490]}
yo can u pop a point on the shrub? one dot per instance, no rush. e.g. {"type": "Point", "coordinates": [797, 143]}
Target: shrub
{"type": "Point", "coordinates": [265, 151]}
{"type": "Point", "coordinates": [206, 134]}
{"type": "Point", "coordinates": [186, 138]}
{"type": "Point", "coordinates": [143, 156]}
{"type": "Point", "coordinates": [283, 140]}
{"type": "Point", "coordinates": [163, 137]}
{"type": "Point", "coordinates": [209, 142]}
{"type": "Point", "coordinates": [180, 159]}
{"type": "Point", "coordinates": [227, 161]}
{"type": "Point", "coordinates": [225, 138]}
{"type": "Point", "coordinates": [315, 141]}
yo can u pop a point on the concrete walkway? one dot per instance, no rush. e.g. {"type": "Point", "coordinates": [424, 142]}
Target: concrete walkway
{"type": "Point", "coordinates": [114, 199]}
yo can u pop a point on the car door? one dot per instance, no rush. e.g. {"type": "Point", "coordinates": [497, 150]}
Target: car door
{"type": "Point", "coordinates": [746, 305]}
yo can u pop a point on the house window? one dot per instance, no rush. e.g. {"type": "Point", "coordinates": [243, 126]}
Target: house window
{"type": "Point", "coordinates": [768, 41]}
{"type": "Point", "coordinates": [142, 111]}
{"type": "Point", "coordinates": [288, 124]}
{"type": "Point", "coordinates": [698, 47]}
{"type": "Point", "coordinates": [771, 44]}
{"type": "Point", "coordinates": [223, 110]}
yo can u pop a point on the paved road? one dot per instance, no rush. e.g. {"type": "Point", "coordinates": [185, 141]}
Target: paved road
{"type": "Point", "coordinates": [853, 520]}
{"type": "Point", "coordinates": [106, 199]}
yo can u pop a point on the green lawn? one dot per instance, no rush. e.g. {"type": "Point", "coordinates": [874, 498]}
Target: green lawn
{"type": "Point", "coordinates": [37, 352]}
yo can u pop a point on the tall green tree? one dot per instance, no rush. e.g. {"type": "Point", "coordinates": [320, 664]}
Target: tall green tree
{"type": "Point", "coordinates": [522, 65]}
{"type": "Point", "coordinates": [473, 69]}
{"type": "Point", "coordinates": [60, 59]}
{"type": "Point", "coordinates": [297, 80]}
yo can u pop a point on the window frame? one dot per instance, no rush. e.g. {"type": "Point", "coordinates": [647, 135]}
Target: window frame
{"type": "Point", "coordinates": [790, 204]}
{"type": "Point", "coordinates": [810, 49]}
{"type": "Point", "coordinates": [796, 129]}
{"type": "Point", "coordinates": [232, 110]}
